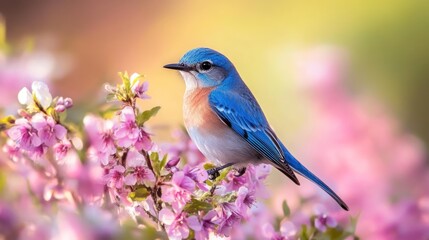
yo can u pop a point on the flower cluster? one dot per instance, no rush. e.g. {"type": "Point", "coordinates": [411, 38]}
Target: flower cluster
{"type": "Point", "coordinates": [118, 177]}
{"type": "Point", "coordinates": [35, 133]}
{"type": "Point", "coordinates": [181, 200]}
{"type": "Point", "coordinates": [62, 193]}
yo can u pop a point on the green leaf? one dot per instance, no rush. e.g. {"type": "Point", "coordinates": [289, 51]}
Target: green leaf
{"type": "Point", "coordinates": [125, 80]}
{"type": "Point", "coordinates": [352, 226]}
{"type": "Point", "coordinates": [6, 122]}
{"type": "Point", "coordinates": [108, 111]}
{"type": "Point", "coordinates": [229, 197]}
{"type": "Point", "coordinates": [286, 209]}
{"type": "Point", "coordinates": [335, 234]}
{"type": "Point", "coordinates": [110, 97]}
{"type": "Point", "coordinates": [223, 175]}
{"type": "Point", "coordinates": [156, 164]}
{"type": "Point", "coordinates": [303, 233]}
{"type": "Point", "coordinates": [139, 194]}
{"type": "Point", "coordinates": [209, 165]}
{"type": "Point", "coordinates": [2, 182]}
{"type": "Point", "coordinates": [51, 111]}
{"type": "Point", "coordinates": [191, 235]}
{"type": "Point", "coordinates": [146, 115]}
{"type": "Point", "coordinates": [196, 205]}
{"type": "Point", "coordinates": [163, 162]}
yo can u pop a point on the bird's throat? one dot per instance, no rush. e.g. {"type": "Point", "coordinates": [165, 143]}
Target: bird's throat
{"type": "Point", "coordinates": [191, 81]}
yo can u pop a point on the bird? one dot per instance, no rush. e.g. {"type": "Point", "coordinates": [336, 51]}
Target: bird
{"type": "Point", "coordinates": [226, 123]}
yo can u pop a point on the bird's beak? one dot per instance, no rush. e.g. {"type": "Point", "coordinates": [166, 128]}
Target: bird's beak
{"type": "Point", "coordinates": [179, 66]}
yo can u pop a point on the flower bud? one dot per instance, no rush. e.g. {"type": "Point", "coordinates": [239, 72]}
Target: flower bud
{"type": "Point", "coordinates": [68, 102]}
{"type": "Point", "coordinates": [60, 108]}
{"type": "Point", "coordinates": [173, 162]}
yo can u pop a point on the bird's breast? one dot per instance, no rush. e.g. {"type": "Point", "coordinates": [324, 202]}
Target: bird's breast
{"type": "Point", "coordinates": [197, 112]}
{"type": "Point", "coordinates": [213, 138]}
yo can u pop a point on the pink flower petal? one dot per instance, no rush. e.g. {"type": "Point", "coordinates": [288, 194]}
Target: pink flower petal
{"type": "Point", "coordinates": [60, 131]}
{"type": "Point", "coordinates": [194, 223]}
{"type": "Point", "coordinates": [130, 180]}
{"type": "Point", "coordinates": [166, 216]}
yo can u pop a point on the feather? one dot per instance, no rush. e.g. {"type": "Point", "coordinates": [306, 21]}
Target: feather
{"type": "Point", "coordinates": [247, 120]}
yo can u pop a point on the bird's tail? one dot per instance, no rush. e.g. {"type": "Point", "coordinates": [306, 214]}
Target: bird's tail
{"type": "Point", "coordinates": [303, 171]}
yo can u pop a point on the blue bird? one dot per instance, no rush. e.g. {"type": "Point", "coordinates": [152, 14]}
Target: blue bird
{"type": "Point", "coordinates": [227, 124]}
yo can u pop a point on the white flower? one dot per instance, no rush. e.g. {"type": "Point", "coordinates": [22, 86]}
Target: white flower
{"type": "Point", "coordinates": [134, 80]}
{"type": "Point", "coordinates": [25, 97]}
{"type": "Point", "coordinates": [40, 93]}
{"type": "Point", "coordinates": [135, 77]}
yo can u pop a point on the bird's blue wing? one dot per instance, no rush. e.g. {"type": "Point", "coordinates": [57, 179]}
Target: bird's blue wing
{"type": "Point", "coordinates": [242, 113]}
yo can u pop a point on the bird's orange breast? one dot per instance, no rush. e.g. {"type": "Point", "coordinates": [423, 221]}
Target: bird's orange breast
{"type": "Point", "coordinates": [197, 111]}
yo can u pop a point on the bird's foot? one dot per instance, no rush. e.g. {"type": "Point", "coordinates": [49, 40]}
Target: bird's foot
{"type": "Point", "coordinates": [213, 173]}
{"type": "Point", "coordinates": [240, 172]}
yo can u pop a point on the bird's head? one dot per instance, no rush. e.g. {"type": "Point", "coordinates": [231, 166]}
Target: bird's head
{"type": "Point", "coordinates": [203, 67]}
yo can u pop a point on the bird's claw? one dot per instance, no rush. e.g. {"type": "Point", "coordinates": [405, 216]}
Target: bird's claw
{"type": "Point", "coordinates": [240, 172]}
{"type": "Point", "coordinates": [213, 173]}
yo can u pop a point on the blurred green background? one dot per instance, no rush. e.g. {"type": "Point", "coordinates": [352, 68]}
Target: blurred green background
{"type": "Point", "coordinates": [386, 42]}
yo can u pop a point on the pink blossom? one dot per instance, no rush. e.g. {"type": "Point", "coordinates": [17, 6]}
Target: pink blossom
{"type": "Point", "coordinates": [140, 89]}
{"type": "Point", "coordinates": [115, 177]}
{"type": "Point", "coordinates": [47, 129]}
{"type": "Point", "coordinates": [234, 182]}
{"type": "Point", "coordinates": [106, 159]}
{"type": "Point", "coordinates": [197, 174]}
{"type": "Point", "coordinates": [356, 136]}
{"type": "Point", "coordinates": [323, 221]}
{"type": "Point", "coordinates": [147, 205]}
{"type": "Point", "coordinates": [182, 181]}
{"type": "Point", "coordinates": [38, 152]}
{"type": "Point", "coordinates": [87, 180]}
{"type": "Point", "coordinates": [180, 192]}
{"type": "Point", "coordinates": [122, 195]}
{"type": "Point", "coordinates": [53, 190]}
{"type": "Point", "coordinates": [139, 173]}
{"type": "Point", "coordinates": [92, 222]}
{"type": "Point", "coordinates": [143, 141]}
{"type": "Point", "coordinates": [177, 227]}
{"type": "Point", "coordinates": [126, 131]}
{"type": "Point", "coordinates": [245, 199]}
{"type": "Point", "coordinates": [106, 142]}
{"type": "Point", "coordinates": [100, 133]}
{"type": "Point", "coordinates": [253, 179]}
{"type": "Point", "coordinates": [61, 149]}
{"type": "Point", "coordinates": [203, 226]}
{"type": "Point", "coordinates": [24, 135]}
{"type": "Point", "coordinates": [257, 225]}
{"type": "Point", "coordinates": [407, 222]}
{"type": "Point", "coordinates": [228, 216]}
{"type": "Point", "coordinates": [9, 222]}
{"type": "Point", "coordinates": [12, 150]}
{"type": "Point", "coordinates": [256, 176]}
{"type": "Point", "coordinates": [287, 231]}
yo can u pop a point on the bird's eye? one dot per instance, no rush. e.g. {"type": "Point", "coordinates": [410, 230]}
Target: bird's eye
{"type": "Point", "coordinates": [205, 66]}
